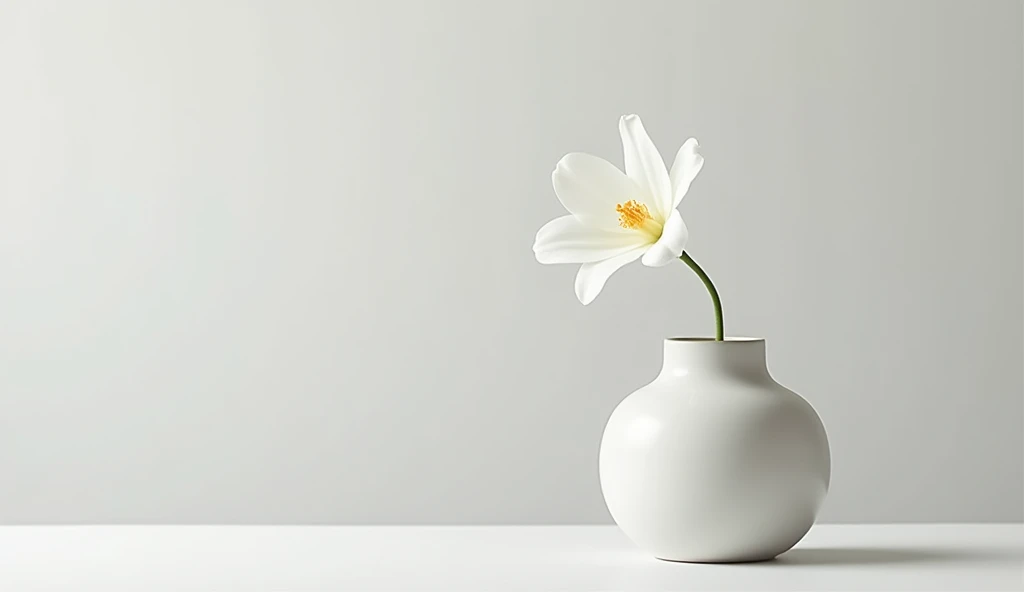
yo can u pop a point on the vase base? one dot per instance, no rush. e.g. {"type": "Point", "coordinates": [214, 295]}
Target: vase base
{"type": "Point", "coordinates": [721, 561]}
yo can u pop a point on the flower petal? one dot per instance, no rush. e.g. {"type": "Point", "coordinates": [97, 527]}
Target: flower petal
{"type": "Point", "coordinates": [670, 245]}
{"type": "Point", "coordinates": [685, 168]}
{"type": "Point", "coordinates": [590, 187]}
{"type": "Point", "coordinates": [644, 164]}
{"type": "Point", "coordinates": [591, 277]}
{"type": "Point", "coordinates": [567, 240]}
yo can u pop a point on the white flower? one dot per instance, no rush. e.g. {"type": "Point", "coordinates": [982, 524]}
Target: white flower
{"type": "Point", "coordinates": [618, 218]}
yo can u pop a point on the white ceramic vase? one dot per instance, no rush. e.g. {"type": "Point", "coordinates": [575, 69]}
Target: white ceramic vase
{"type": "Point", "coordinates": [714, 461]}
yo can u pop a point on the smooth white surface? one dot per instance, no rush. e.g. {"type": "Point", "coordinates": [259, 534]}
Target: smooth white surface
{"type": "Point", "coordinates": [279, 558]}
{"type": "Point", "coordinates": [269, 261]}
{"type": "Point", "coordinates": [713, 460]}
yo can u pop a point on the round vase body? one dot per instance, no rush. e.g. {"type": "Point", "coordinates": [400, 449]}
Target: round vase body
{"type": "Point", "coordinates": [714, 461]}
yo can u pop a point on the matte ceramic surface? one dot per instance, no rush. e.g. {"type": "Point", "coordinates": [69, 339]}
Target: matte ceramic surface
{"type": "Point", "coordinates": [714, 461]}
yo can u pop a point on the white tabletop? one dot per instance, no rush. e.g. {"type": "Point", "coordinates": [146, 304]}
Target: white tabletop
{"type": "Point", "coordinates": [183, 558]}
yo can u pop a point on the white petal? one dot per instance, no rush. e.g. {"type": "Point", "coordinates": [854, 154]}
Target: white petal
{"type": "Point", "coordinates": [670, 245]}
{"type": "Point", "coordinates": [591, 277]}
{"type": "Point", "coordinates": [567, 240]}
{"type": "Point", "coordinates": [685, 168]}
{"type": "Point", "coordinates": [644, 164]}
{"type": "Point", "coordinates": [590, 187]}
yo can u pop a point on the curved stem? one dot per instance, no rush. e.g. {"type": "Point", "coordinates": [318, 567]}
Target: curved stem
{"type": "Point", "coordinates": [719, 329]}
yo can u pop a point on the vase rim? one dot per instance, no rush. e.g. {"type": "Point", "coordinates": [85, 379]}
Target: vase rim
{"type": "Point", "coordinates": [712, 339]}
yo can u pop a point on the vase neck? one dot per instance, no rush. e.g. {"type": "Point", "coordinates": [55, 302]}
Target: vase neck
{"type": "Point", "coordinates": [735, 356]}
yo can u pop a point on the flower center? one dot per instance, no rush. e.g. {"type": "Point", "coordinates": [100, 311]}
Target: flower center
{"type": "Point", "coordinates": [633, 214]}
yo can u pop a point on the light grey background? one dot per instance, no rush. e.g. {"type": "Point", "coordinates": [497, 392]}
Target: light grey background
{"type": "Point", "coordinates": [270, 261]}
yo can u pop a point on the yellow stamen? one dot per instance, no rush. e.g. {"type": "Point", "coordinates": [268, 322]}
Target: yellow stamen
{"type": "Point", "coordinates": [632, 214]}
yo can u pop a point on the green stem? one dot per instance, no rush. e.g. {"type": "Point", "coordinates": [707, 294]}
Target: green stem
{"type": "Point", "coordinates": [719, 330]}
